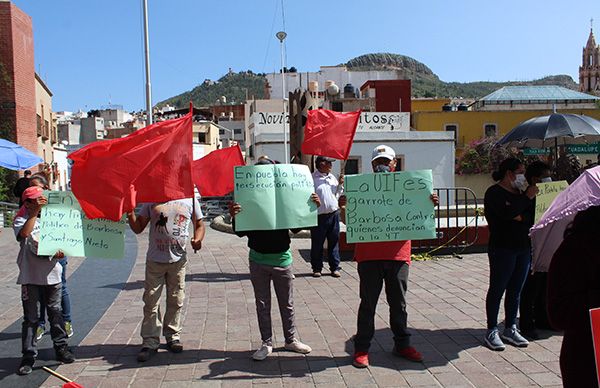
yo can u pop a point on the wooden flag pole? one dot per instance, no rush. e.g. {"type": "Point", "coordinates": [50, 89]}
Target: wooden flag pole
{"type": "Point", "coordinates": [56, 374]}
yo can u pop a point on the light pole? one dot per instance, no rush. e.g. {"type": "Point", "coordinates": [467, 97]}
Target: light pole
{"type": "Point", "coordinates": [147, 65]}
{"type": "Point", "coordinates": [281, 35]}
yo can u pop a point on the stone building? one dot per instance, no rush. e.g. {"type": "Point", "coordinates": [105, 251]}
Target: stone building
{"type": "Point", "coordinates": [589, 71]}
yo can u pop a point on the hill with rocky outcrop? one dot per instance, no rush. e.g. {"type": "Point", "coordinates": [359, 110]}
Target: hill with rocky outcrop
{"type": "Point", "coordinates": [425, 83]}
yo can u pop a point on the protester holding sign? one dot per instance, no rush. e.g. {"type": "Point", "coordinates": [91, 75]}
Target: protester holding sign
{"type": "Point", "coordinates": [166, 262]}
{"type": "Point", "coordinates": [509, 211]}
{"type": "Point", "coordinates": [39, 180]}
{"type": "Point", "coordinates": [329, 191]}
{"type": "Point", "coordinates": [38, 276]}
{"type": "Point", "coordinates": [574, 289]}
{"type": "Point", "coordinates": [532, 307]}
{"type": "Point", "coordinates": [380, 262]}
{"type": "Point", "coordinates": [271, 261]}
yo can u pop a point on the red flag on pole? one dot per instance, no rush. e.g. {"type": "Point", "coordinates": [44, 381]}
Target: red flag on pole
{"type": "Point", "coordinates": [329, 133]}
{"type": "Point", "coordinates": [213, 174]}
{"type": "Point", "coordinates": [595, 321]}
{"type": "Point", "coordinates": [153, 164]}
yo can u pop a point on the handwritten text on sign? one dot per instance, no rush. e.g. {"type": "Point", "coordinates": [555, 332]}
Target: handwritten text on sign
{"type": "Point", "coordinates": [64, 227]}
{"type": "Point", "coordinates": [547, 192]}
{"type": "Point", "coordinates": [389, 207]}
{"type": "Point", "coordinates": [275, 196]}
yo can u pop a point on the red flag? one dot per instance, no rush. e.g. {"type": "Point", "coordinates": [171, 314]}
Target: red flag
{"type": "Point", "coordinates": [213, 174]}
{"type": "Point", "coordinates": [329, 133]}
{"type": "Point", "coordinates": [153, 164]}
{"type": "Point", "coordinates": [595, 321]}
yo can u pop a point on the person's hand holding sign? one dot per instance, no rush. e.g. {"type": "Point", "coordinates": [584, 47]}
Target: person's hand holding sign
{"type": "Point", "coordinates": [315, 198]}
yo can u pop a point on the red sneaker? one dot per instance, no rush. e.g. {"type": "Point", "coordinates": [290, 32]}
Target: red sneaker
{"type": "Point", "coordinates": [410, 353]}
{"type": "Point", "coordinates": [361, 359]}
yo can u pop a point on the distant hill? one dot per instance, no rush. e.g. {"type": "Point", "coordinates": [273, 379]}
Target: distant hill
{"type": "Point", "coordinates": [425, 83]}
{"type": "Point", "coordinates": [234, 86]}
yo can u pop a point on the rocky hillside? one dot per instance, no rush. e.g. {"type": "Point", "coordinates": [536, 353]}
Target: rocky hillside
{"type": "Point", "coordinates": [425, 83]}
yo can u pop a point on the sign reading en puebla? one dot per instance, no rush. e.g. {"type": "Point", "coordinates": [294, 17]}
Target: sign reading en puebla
{"type": "Point", "coordinates": [272, 122]}
{"type": "Point", "coordinates": [570, 148]}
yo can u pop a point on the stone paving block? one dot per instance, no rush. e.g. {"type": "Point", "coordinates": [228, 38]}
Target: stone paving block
{"type": "Point", "coordinates": [446, 305]}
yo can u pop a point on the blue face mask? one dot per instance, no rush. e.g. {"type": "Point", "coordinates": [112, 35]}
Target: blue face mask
{"type": "Point", "coordinates": [382, 168]}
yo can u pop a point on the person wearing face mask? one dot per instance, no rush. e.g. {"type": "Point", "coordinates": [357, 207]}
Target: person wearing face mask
{"type": "Point", "coordinates": [509, 211]}
{"type": "Point", "coordinates": [378, 263]}
{"type": "Point", "coordinates": [532, 309]}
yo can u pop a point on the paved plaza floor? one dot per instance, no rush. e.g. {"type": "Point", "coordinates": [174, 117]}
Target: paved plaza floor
{"type": "Point", "coordinates": [220, 331]}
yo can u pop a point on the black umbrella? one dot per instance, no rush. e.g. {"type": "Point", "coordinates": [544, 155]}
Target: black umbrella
{"type": "Point", "coordinates": [544, 131]}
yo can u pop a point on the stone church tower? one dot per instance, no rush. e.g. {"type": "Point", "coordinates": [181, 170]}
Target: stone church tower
{"type": "Point", "coordinates": [589, 71]}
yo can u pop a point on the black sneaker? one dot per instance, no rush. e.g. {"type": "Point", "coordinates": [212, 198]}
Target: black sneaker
{"type": "Point", "coordinates": [175, 346]}
{"type": "Point", "coordinates": [26, 366]}
{"type": "Point", "coordinates": [64, 355]}
{"type": "Point", "coordinates": [145, 354]}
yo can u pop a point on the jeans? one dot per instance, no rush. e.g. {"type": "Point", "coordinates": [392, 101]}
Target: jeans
{"type": "Point", "coordinates": [65, 298]}
{"type": "Point", "coordinates": [157, 275]}
{"type": "Point", "coordinates": [372, 275]}
{"type": "Point", "coordinates": [30, 297]}
{"type": "Point", "coordinates": [508, 271]}
{"type": "Point", "coordinates": [261, 276]}
{"type": "Point", "coordinates": [328, 228]}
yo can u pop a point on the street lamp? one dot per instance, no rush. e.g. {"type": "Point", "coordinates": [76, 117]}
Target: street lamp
{"type": "Point", "coordinates": [281, 35]}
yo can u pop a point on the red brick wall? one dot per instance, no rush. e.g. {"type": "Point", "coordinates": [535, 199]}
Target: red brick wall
{"type": "Point", "coordinates": [17, 82]}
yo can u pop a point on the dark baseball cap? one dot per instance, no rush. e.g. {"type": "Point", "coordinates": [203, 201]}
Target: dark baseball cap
{"type": "Point", "coordinates": [324, 159]}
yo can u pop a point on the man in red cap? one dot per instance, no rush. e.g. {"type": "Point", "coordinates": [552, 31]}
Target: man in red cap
{"type": "Point", "coordinates": [38, 275]}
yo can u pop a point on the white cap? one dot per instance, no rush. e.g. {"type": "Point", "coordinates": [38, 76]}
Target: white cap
{"type": "Point", "coordinates": [383, 151]}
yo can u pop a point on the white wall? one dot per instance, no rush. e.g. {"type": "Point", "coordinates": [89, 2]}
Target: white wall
{"type": "Point", "coordinates": [421, 151]}
{"type": "Point", "coordinates": [60, 157]}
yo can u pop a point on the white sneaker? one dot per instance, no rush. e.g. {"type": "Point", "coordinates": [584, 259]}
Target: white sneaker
{"type": "Point", "coordinates": [263, 352]}
{"type": "Point", "coordinates": [298, 347]}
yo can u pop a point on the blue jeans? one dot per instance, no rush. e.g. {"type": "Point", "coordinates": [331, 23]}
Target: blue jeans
{"type": "Point", "coordinates": [65, 299]}
{"type": "Point", "coordinates": [508, 271]}
{"type": "Point", "coordinates": [328, 228]}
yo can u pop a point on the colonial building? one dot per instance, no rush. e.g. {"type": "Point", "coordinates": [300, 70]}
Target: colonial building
{"type": "Point", "coordinates": [589, 71]}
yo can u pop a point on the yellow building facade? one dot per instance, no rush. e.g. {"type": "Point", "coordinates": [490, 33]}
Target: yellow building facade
{"type": "Point", "coordinates": [473, 125]}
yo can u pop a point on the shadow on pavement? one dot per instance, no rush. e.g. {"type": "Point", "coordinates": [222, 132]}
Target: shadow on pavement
{"type": "Point", "coordinates": [344, 255]}
{"type": "Point", "coordinates": [439, 347]}
{"type": "Point", "coordinates": [211, 277]}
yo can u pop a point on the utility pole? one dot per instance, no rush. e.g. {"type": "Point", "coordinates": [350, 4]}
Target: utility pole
{"type": "Point", "coordinates": [281, 35]}
{"type": "Point", "coordinates": [147, 63]}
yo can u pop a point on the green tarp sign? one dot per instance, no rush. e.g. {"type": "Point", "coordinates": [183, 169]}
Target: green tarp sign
{"type": "Point", "coordinates": [63, 226]}
{"type": "Point", "coordinates": [389, 207]}
{"type": "Point", "coordinates": [275, 196]}
{"type": "Point", "coordinates": [570, 148]}
{"type": "Point", "coordinates": [583, 148]}
{"type": "Point", "coordinates": [536, 151]}
{"type": "Point", "coordinates": [546, 194]}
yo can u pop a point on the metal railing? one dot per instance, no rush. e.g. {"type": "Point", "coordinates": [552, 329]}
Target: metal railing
{"type": "Point", "coordinates": [214, 206]}
{"type": "Point", "coordinates": [457, 221]}
{"type": "Point", "coordinates": [7, 213]}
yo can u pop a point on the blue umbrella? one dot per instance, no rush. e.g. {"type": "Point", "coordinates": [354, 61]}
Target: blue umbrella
{"type": "Point", "coordinates": [15, 157]}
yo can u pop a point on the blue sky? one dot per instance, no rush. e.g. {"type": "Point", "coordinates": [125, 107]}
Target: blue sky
{"type": "Point", "coordinates": [90, 52]}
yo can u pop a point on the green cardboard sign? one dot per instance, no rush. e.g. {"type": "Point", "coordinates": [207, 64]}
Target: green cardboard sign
{"type": "Point", "coordinates": [64, 227]}
{"type": "Point", "coordinates": [275, 196]}
{"type": "Point", "coordinates": [546, 194]}
{"type": "Point", "coordinates": [389, 206]}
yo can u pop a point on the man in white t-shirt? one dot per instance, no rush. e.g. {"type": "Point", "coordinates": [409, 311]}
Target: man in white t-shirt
{"type": "Point", "coordinates": [166, 261]}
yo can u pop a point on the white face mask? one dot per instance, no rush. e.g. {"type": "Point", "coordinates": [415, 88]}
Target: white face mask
{"type": "Point", "coordinates": [520, 182]}
{"type": "Point", "coordinates": [546, 180]}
